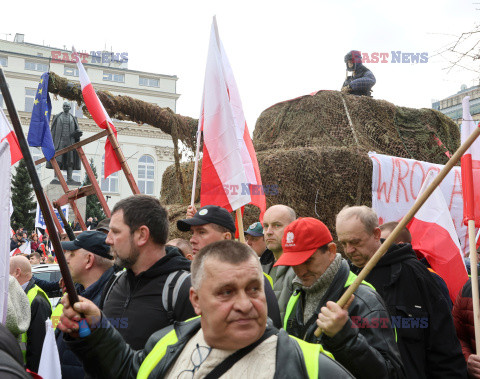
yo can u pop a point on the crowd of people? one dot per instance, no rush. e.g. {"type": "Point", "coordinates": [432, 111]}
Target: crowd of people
{"type": "Point", "coordinates": [211, 307]}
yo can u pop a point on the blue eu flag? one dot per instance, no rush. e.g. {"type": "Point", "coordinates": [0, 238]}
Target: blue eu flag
{"type": "Point", "coordinates": [39, 134]}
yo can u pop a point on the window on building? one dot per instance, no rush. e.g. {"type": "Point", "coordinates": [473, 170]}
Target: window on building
{"type": "Point", "coordinates": [149, 82]}
{"type": "Point", "coordinates": [70, 71]}
{"type": "Point", "coordinates": [29, 98]}
{"type": "Point", "coordinates": [36, 66]}
{"type": "Point", "coordinates": [109, 184]}
{"type": "Point", "coordinates": [111, 77]}
{"type": "Point", "coordinates": [146, 174]}
{"type": "Point", "coordinates": [75, 110]}
{"type": "Point", "coordinates": [4, 61]}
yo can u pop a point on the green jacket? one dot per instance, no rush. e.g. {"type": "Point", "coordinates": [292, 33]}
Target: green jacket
{"type": "Point", "coordinates": [105, 354]}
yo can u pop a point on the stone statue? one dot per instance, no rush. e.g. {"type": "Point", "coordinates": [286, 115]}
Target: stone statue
{"type": "Point", "coordinates": [65, 132]}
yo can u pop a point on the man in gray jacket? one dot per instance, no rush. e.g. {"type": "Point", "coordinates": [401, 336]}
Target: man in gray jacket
{"type": "Point", "coordinates": [359, 335]}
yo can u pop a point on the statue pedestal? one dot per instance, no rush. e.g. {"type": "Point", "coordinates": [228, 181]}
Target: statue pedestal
{"type": "Point", "coordinates": [55, 191]}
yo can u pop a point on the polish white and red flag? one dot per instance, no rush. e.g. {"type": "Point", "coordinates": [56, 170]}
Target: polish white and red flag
{"type": "Point", "coordinates": [99, 115]}
{"type": "Point", "coordinates": [230, 173]}
{"type": "Point", "coordinates": [434, 236]}
{"type": "Point", "coordinates": [22, 249]}
{"type": "Point", "coordinates": [40, 235]}
{"type": "Point", "coordinates": [470, 169]}
{"type": "Point", "coordinates": [6, 132]}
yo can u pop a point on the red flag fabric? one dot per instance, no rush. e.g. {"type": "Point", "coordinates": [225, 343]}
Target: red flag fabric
{"type": "Point", "coordinates": [230, 173]}
{"type": "Point", "coordinates": [6, 132]}
{"type": "Point", "coordinates": [100, 116]}
{"type": "Point", "coordinates": [434, 235]}
{"type": "Point", "coordinates": [470, 169]}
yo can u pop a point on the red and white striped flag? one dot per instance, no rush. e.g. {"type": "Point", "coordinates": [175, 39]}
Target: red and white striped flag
{"type": "Point", "coordinates": [99, 115]}
{"type": "Point", "coordinates": [470, 169]}
{"type": "Point", "coordinates": [470, 164]}
{"type": "Point", "coordinates": [6, 132]}
{"type": "Point", "coordinates": [434, 235]}
{"type": "Point", "coordinates": [22, 249]}
{"type": "Point", "coordinates": [230, 173]}
{"type": "Point", "coordinates": [40, 235]}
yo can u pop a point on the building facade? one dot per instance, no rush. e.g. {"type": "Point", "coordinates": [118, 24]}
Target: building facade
{"type": "Point", "coordinates": [452, 105]}
{"type": "Point", "coordinates": [148, 150]}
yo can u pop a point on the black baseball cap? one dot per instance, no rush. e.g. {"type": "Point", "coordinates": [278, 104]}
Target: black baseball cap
{"type": "Point", "coordinates": [209, 214]}
{"type": "Point", "coordinates": [91, 240]}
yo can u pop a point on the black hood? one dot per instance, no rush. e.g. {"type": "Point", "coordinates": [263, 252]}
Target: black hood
{"type": "Point", "coordinates": [396, 254]}
{"type": "Point", "coordinates": [356, 57]}
{"type": "Point", "coordinates": [172, 261]}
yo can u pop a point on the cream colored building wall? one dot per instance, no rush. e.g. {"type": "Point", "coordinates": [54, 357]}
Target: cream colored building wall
{"type": "Point", "coordinates": [135, 140]}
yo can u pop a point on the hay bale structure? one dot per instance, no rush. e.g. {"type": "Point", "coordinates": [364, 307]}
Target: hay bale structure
{"type": "Point", "coordinates": [308, 148]}
{"type": "Point", "coordinates": [319, 162]}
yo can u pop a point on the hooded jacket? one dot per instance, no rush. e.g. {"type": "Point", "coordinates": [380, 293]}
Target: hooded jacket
{"type": "Point", "coordinates": [362, 80]}
{"type": "Point", "coordinates": [136, 301]}
{"type": "Point", "coordinates": [426, 335]}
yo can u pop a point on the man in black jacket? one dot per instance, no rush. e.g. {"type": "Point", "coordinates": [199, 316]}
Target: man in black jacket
{"type": "Point", "coordinates": [360, 335]}
{"type": "Point", "coordinates": [426, 335]}
{"type": "Point", "coordinates": [40, 308]}
{"type": "Point", "coordinates": [91, 265]}
{"type": "Point", "coordinates": [211, 224]}
{"type": "Point", "coordinates": [153, 291]}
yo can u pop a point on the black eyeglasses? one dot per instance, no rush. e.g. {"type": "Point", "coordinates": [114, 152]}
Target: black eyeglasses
{"type": "Point", "coordinates": [199, 355]}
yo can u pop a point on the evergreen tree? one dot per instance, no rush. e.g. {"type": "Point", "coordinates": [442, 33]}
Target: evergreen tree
{"type": "Point", "coordinates": [94, 208]}
{"type": "Point", "coordinates": [23, 199]}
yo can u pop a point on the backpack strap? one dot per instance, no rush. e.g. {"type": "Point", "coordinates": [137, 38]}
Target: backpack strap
{"type": "Point", "coordinates": [170, 292]}
{"type": "Point", "coordinates": [107, 290]}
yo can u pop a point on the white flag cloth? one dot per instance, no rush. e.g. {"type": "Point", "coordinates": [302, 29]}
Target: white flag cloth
{"type": "Point", "coordinates": [22, 249]}
{"type": "Point", "coordinates": [5, 230]}
{"type": "Point", "coordinates": [230, 173]}
{"type": "Point", "coordinates": [49, 367]}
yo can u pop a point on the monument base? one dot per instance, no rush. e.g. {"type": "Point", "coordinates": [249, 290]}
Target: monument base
{"type": "Point", "coordinates": [55, 191]}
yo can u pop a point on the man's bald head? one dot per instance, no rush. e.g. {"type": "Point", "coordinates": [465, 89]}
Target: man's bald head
{"type": "Point", "coordinates": [284, 210]}
{"type": "Point", "coordinates": [276, 218]}
{"type": "Point", "coordinates": [21, 269]}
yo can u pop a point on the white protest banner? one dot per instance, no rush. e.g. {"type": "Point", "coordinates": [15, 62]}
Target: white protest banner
{"type": "Point", "coordinates": [397, 181]}
{"type": "Point", "coordinates": [40, 222]}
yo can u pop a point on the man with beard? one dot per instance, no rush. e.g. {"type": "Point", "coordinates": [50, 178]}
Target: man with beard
{"type": "Point", "coordinates": [153, 291]}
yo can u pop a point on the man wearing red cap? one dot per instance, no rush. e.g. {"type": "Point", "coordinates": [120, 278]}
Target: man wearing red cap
{"type": "Point", "coordinates": [359, 335]}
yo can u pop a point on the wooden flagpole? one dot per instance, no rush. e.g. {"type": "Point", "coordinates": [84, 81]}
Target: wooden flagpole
{"type": "Point", "coordinates": [42, 201]}
{"type": "Point", "coordinates": [474, 279]}
{"type": "Point", "coordinates": [241, 234]}
{"type": "Point", "coordinates": [405, 220]}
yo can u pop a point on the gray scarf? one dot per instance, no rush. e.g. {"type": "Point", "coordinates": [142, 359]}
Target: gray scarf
{"type": "Point", "coordinates": [315, 293]}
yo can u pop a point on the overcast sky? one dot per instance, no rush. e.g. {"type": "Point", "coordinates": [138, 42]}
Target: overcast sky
{"type": "Point", "coordinates": [278, 49]}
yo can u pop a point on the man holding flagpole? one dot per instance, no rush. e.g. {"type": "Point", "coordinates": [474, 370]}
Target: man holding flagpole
{"type": "Point", "coordinates": [430, 350]}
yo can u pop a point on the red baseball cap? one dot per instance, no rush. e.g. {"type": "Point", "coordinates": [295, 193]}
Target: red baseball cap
{"type": "Point", "coordinates": [301, 239]}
